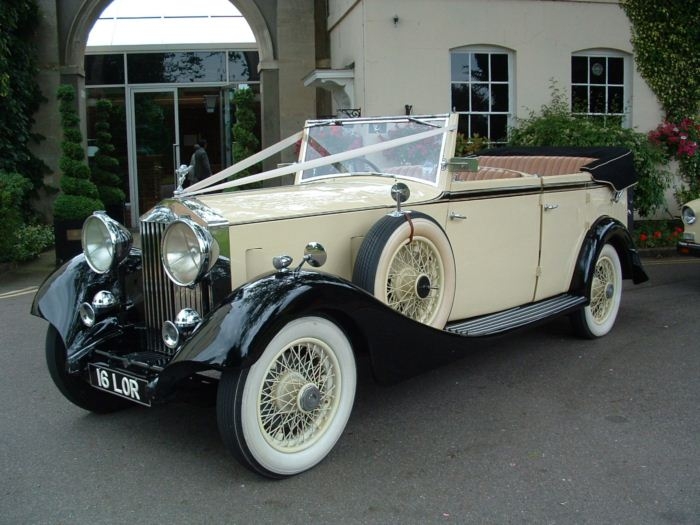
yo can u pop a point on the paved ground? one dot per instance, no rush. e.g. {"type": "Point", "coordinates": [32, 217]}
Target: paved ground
{"type": "Point", "coordinates": [535, 427]}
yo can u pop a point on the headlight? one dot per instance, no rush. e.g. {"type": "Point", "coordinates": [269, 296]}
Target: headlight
{"type": "Point", "coordinates": [688, 215]}
{"type": "Point", "coordinates": [188, 251]}
{"type": "Point", "coordinates": [105, 242]}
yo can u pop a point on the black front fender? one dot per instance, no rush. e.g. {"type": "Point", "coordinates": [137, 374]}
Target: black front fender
{"type": "Point", "coordinates": [236, 334]}
{"type": "Point", "coordinates": [61, 294]}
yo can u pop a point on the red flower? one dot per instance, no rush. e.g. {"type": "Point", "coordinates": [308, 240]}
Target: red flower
{"type": "Point", "coordinates": [657, 235]}
{"type": "Point", "coordinates": [643, 237]}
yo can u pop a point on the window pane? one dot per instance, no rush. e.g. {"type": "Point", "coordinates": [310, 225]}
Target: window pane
{"type": "Point", "coordinates": [499, 67]}
{"type": "Point", "coordinates": [479, 125]}
{"type": "Point", "coordinates": [480, 97]}
{"type": "Point", "coordinates": [480, 67]}
{"type": "Point", "coordinates": [460, 66]}
{"type": "Point", "coordinates": [615, 100]}
{"type": "Point", "coordinates": [460, 97]}
{"type": "Point", "coordinates": [597, 99]}
{"type": "Point", "coordinates": [579, 99]}
{"type": "Point", "coordinates": [598, 70]}
{"type": "Point", "coordinates": [176, 67]}
{"type": "Point", "coordinates": [104, 69]}
{"type": "Point", "coordinates": [616, 71]}
{"type": "Point", "coordinates": [463, 125]}
{"type": "Point", "coordinates": [499, 97]}
{"type": "Point", "coordinates": [243, 66]}
{"type": "Point", "coordinates": [499, 128]}
{"type": "Point", "coordinates": [579, 70]}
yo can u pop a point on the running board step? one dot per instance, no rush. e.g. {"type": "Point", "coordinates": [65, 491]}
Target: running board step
{"type": "Point", "coordinates": [516, 317]}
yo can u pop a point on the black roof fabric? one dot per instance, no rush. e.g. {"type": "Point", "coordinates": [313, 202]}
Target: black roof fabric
{"type": "Point", "coordinates": [614, 166]}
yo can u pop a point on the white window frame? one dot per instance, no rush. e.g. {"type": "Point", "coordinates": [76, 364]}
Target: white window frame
{"type": "Point", "coordinates": [510, 82]}
{"type": "Point", "coordinates": [625, 114]}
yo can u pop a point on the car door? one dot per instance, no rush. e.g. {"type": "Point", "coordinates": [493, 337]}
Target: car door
{"type": "Point", "coordinates": [494, 229]}
{"type": "Point", "coordinates": [565, 204]}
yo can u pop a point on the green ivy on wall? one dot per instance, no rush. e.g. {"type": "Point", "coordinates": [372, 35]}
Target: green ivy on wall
{"type": "Point", "coordinates": [20, 95]}
{"type": "Point", "coordinates": [666, 42]}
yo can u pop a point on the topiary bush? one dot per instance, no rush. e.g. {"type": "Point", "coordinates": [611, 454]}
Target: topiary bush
{"type": "Point", "coordinates": [555, 125]}
{"type": "Point", "coordinates": [245, 143]}
{"type": "Point", "coordinates": [79, 197]}
{"type": "Point", "coordinates": [105, 167]}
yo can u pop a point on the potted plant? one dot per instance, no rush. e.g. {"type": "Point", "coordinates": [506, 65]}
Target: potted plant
{"type": "Point", "coordinates": [104, 167]}
{"type": "Point", "coordinates": [79, 196]}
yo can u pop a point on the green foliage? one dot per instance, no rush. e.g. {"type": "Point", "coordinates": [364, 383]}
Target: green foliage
{"type": "Point", "coordinates": [79, 197]}
{"type": "Point", "coordinates": [105, 167]}
{"type": "Point", "coordinates": [18, 242]}
{"type": "Point", "coordinates": [31, 240]}
{"type": "Point", "coordinates": [20, 95]}
{"type": "Point", "coordinates": [666, 42]}
{"type": "Point", "coordinates": [555, 125]}
{"type": "Point", "coordinates": [657, 233]}
{"type": "Point", "coordinates": [468, 146]}
{"type": "Point", "coordinates": [245, 142]}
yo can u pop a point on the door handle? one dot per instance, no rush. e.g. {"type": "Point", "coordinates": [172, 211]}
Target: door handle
{"type": "Point", "coordinates": [549, 207]}
{"type": "Point", "coordinates": [455, 216]}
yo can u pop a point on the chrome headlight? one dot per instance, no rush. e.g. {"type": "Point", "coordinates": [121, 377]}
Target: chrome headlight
{"type": "Point", "coordinates": [688, 215]}
{"type": "Point", "coordinates": [188, 251]}
{"type": "Point", "coordinates": [105, 242]}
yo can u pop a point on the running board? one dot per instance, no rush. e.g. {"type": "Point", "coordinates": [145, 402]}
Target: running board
{"type": "Point", "coordinates": [516, 317]}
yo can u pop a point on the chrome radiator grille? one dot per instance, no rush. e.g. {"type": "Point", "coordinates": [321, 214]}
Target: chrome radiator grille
{"type": "Point", "coordinates": [162, 298]}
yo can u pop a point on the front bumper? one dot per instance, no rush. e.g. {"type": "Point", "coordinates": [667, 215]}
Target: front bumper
{"type": "Point", "coordinates": [688, 248]}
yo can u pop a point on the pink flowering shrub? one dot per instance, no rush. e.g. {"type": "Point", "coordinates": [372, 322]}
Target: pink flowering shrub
{"type": "Point", "coordinates": [678, 140]}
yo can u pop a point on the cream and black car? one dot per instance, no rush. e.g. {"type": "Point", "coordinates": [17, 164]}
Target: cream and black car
{"type": "Point", "coordinates": [386, 245]}
{"type": "Point", "coordinates": [690, 240]}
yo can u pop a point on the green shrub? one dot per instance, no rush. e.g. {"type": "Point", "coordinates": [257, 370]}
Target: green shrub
{"type": "Point", "coordinates": [18, 241]}
{"type": "Point", "coordinates": [79, 197]}
{"type": "Point", "coordinates": [30, 241]}
{"type": "Point", "coordinates": [245, 143]}
{"type": "Point", "coordinates": [555, 125]}
{"type": "Point", "coordinates": [104, 166]}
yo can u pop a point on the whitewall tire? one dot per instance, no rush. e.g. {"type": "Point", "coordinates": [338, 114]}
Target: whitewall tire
{"type": "Point", "coordinates": [285, 413]}
{"type": "Point", "coordinates": [598, 318]}
{"type": "Point", "coordinates": [407, 263]}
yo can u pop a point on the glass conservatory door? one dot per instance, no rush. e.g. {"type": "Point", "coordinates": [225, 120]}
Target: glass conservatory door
{"type": "Point", "coordinates": [155, 151]}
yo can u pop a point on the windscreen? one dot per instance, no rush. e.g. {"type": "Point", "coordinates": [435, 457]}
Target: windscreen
{"type": "Point", "coordinates": [384, 147]}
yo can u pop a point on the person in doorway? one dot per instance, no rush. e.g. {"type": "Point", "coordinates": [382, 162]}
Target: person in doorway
{"type": "Point", "coordinates": [199, 163]}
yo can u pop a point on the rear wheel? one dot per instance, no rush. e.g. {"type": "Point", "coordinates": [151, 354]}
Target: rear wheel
{"type": "Point", "coordinates": [285, 413]}
{"type": "Point", "coordinates": [598, 318]}
{"type": "Point", "coordinates": [74, 389]}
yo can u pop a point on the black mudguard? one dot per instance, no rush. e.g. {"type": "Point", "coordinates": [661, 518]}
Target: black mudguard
{"type": "Point", "coordinates": [61, 294]}
{"type": "Point", "coordinates": [236, 334]}
{"type": "Point", "coordinates": [606, 231]}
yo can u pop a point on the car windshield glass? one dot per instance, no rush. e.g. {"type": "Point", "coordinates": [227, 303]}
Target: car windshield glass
{"type": "Point", "coordinates": [418, 159]}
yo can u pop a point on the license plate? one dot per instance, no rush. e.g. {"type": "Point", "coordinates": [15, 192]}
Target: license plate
{"type": "Point", "coordinates": [120, 384]}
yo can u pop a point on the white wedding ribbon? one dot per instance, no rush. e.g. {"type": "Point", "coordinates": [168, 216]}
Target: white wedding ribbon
{"type": "Point", "coordinates": [205, 186]}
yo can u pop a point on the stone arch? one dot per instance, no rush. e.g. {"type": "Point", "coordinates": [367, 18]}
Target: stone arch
{"type": "Point", "coordinates": [87, 13]}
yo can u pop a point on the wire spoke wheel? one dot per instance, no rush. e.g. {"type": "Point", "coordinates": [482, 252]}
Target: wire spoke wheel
{"type": "Point", "coordinates": [285, 413]}
{"type": "Point", "coordinates": [406, 262]}
{"type": "Point", "coordinates": [598, 318]}
{"type": "Point", "coordinates": [299, 395]}
{"type": "Point", "coordinates": [415, 280]}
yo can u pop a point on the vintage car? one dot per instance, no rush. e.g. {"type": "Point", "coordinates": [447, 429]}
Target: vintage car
{"type": "Point", "coordinates": [690, 240]}
{"type": "Point", "coordinates": [421, 252]}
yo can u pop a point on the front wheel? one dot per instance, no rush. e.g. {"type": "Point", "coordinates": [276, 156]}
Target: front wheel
{"type": "Point", "coordinates": [285, 413]}
{"type": "Point", "coordinates": [598, 318]}
{"type": "Point", "coordinates": [74, 389]}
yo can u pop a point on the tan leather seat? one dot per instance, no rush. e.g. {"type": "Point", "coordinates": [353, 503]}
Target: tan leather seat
{"type": "Point", "coordinates": [538, 165]}
{"type": "Point", "coordinates": [486, 173]}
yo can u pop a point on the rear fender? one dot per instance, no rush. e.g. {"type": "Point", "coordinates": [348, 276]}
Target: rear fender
{"type": "Point", "coordinates": [606, 231]}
